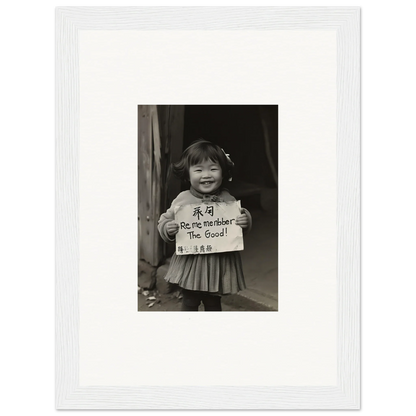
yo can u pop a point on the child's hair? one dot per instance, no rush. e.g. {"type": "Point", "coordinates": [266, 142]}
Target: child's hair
{"type": "Point", "coordinates": [199, 151]}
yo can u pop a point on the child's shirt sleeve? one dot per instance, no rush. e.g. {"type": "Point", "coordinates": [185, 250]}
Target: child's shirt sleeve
{"type": "Point", "coordinates": [168, 216]}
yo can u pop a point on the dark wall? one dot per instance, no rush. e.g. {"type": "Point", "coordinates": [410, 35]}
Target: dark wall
{"type": "Point", "coordinates": [237, 129]}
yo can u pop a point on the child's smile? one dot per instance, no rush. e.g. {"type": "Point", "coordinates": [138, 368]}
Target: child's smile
{"type": "Point", "coordinates": [205, 177]}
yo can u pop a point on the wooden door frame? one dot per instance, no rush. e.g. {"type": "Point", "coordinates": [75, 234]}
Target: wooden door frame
{"type": "Point", "coordinates": [160, 139]}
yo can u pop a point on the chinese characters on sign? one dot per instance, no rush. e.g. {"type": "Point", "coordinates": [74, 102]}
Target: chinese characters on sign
{"type": "Point", "coordinates": [208, 228]}
{"type": "Point", "coordinates": [196, 249]}
{"type": "Point", "coordinates": [198, 212]}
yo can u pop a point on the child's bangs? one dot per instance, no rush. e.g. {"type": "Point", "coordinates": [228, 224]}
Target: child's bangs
{"type": "Point", "coordinates": [200, 155]}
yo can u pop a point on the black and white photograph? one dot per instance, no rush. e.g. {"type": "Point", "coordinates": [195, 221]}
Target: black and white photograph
{"type": "Point", "coordinates": [208, 207]}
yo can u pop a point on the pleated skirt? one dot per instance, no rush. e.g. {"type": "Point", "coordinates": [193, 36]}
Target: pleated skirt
{"type": "Point", "coordinates": [220, 273]}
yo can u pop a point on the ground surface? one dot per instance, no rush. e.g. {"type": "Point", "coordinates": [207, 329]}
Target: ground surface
{"type": "Point", "coordinates": [153, 301]}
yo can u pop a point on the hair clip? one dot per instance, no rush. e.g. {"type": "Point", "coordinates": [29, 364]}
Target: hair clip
{"type": "Point", "coordinates": [227, 155]}
{"type": "Point", "coordinates": [229, 160]}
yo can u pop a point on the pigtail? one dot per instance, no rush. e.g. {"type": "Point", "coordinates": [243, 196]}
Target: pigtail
{"type": "Point", "coordinates": [180, 169]}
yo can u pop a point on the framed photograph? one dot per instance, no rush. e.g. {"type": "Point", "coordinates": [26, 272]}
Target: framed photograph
{"type": "Point", "coordinates": [237, 263]}
{"type": "Point", "coordinates": [207, 159]}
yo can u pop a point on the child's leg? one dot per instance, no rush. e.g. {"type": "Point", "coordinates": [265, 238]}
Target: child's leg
{"type": "Point", "coordinates": [211, 302]}
{"type": "Point", "coordinates": [190, 300]}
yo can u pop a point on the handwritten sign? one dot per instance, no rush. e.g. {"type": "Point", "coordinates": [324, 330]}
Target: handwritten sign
{"type": "Point", "coordinates": [208, 228]}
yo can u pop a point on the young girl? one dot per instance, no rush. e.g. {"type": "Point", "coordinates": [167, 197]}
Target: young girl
{"type": "Point", "coordinates": [203, 277]}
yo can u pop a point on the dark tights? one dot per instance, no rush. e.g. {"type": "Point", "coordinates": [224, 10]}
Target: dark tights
{"type": "Point", "coordinates": [191, 299]}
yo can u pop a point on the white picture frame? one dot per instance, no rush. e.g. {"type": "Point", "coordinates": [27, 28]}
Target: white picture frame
{"type": "Point", "coordinates": [93, 133]}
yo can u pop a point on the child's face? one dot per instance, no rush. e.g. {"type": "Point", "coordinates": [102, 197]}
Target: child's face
{"type": "Point", "coordinates": [205, 177]}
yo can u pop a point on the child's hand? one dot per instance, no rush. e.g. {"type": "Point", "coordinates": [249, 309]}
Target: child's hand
{"type": "Point", "coordinates": [242, 220]}
{"type": "Point", "coordinates": [172, 228]}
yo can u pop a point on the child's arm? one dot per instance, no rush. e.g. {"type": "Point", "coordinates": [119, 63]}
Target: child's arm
{"type": "Point", "coordinates": [167, 226]}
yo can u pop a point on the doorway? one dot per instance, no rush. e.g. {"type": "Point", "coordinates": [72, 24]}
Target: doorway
{"type": "Point", "coordinates": [249, 133]}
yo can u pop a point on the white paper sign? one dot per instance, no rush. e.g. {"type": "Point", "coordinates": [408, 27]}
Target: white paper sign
{"type": "Point", "coordinates": [208, 228]}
